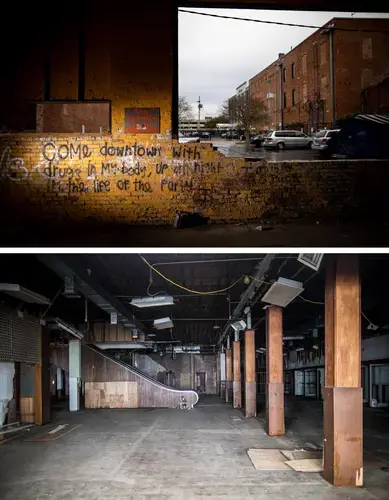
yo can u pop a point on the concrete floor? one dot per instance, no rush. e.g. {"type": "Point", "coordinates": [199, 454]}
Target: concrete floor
{"type": "Point", "coordinates": [294, 234]}
{"type": "Point", "coordinates": [169, 454]}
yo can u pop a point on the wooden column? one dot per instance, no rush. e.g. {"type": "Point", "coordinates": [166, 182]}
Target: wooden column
{"type": "Point", "coordinates": [228, 375]}
{"type": "Point", "coordinates": [223, 375]}
{"type": "Point", "coordinates": [275, 419]}
{"type": "Point", "coordinates": [237, 386]}
{"type": "Point", "coordinates": [38, 395]}
{"type": "Point", "coordinates": [343, 427]}
{"type": "Point", "coordinates": [249, 374]}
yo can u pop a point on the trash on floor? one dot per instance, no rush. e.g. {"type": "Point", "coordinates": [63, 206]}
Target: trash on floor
{"type": "Point", "coordinates": [264, 459]}
{"type": "Point", "coordinates": [185, 220]}
{"type": "Point", "coordinates": [306, 465]}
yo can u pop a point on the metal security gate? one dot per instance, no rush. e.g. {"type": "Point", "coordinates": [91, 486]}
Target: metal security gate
{"type": "Point", "coordinates": [19, 337]}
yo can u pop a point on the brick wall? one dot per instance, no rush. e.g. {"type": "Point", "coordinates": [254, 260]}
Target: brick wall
{"type": "Point", "coordinates": [368, 65]}
{"type": "Point", "coordinates": [120, 178]}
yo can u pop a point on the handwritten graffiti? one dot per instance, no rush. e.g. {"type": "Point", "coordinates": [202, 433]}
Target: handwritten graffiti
{"type": "Point", "coordinates": [52, 152]}
{"type": "Point", "coordinates": [12, 168]}
{"type": "Point", "coordinates": [73, 169]}
{"type": "Point", "coordinates": [135, 150]}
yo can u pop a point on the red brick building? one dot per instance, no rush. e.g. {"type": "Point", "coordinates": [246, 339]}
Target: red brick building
{"type": "Point", "coordinates": [323, 79]}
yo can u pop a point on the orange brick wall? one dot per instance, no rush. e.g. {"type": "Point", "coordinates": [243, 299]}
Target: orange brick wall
{"type": "Point", "coordinates": [123, 179]}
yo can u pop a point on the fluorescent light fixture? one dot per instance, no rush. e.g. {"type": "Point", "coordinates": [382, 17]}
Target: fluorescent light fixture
{"type": "Point", "coordinates": [293, 337]}
{"type": "Point", "coordinates": [261, 349]}
{"type": "Point", "coordinates": [163, 300]}
{"type": "Point", "coordinates": [120, 345]}
{"type": "Point", "coordinates": [151, 335]}
{"type": "Point", "coordinates": [239, 325]}
{"type": "Point", "coordinates": [282, 292]}
{"type": "Point", "coordinates": [69, 328]}
{"type": "Point", "coordinates": [315, 347]}
{"type": "Point", "coordinates": [23, 294]}
{"type": "Point", "coordinates": [300, 349]}
{"type": "Point", "coordinates": [163, 323]}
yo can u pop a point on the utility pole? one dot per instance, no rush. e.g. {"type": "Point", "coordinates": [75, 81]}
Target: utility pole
{"type": "Point", "coordinates": [199, 105]}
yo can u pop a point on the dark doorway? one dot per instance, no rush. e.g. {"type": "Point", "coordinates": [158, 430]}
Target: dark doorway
{"type": "Point", "coordinates": [200, 382]}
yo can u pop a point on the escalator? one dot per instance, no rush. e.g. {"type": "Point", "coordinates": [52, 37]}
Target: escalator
{"type": "Point", "coordinates": [151, 393]}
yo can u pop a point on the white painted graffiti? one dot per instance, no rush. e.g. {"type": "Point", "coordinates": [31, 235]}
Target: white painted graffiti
{"type": "Point", "coordinates": [12, 168]}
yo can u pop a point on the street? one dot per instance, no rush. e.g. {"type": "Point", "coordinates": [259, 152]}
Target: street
{"type": "Point", "coordinates": [237, 150]}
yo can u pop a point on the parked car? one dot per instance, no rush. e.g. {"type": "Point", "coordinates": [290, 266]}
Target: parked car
{"type": "Point", "coordinates": [185, 140]}
{"type": "Point", "coordinates": [282, 139]}
{"type": "Point", "coordinates": [322, 138]}
{"type": "Point", "coordinates": [257, 140]}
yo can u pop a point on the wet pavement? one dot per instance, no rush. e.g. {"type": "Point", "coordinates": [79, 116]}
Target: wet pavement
{"type": "Point", "coordinates": [240, 150]}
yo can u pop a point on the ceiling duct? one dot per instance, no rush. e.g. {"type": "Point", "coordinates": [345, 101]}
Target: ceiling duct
{"type": "Point", "coordinates": [23, 294]}
{"type": "Point", "coordinates": [90, 288]}
{"type": "Point", "coordinates": [70, 291]}
{"type": "Point", "coordinates": [250, 292]}
{"type": "Point", "coordinates": [312, 260]}
{"type": "Point", "coordinates": [239, 325]}
{"type": "Point", "coordinates": [282, 292]}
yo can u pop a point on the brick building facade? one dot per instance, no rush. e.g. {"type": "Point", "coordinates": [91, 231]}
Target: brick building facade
{"type": "Point", "coordinates": [299, 88]}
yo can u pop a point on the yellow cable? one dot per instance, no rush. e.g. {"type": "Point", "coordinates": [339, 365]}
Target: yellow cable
{"type": "Point", "coordinates": [184, 287]}
{"type": "Point", "coordinates": [311, 301]}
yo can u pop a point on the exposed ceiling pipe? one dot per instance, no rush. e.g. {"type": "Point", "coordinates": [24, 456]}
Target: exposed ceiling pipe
{"type": "Point", "coordinates": [91, 288]}
{"type": "Point", "coordinates": [249, 293]}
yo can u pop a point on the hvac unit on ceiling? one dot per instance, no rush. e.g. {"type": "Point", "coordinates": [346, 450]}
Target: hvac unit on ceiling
{"type": "Point", "coordinates": [312, 260]}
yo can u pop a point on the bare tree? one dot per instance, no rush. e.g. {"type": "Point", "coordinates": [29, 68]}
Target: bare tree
{"type": "Point", "coordinates": [185, 111]}
{"type": "Point", "coordinates": [223, 110]}
{"type": "Point", "coordinates": [250, 112]}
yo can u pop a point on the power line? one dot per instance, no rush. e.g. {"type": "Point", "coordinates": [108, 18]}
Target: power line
{"type": "Point", "coordinates": [280, 23]}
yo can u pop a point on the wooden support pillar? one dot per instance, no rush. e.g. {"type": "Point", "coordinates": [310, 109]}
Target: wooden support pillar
{"type": "Point", "coordinates": [249, 374]}
{"type": "Point", "coordinates": [343, 427]}
{"type": "Point", "coordinates": [223, 375]}
{"type": "Point", "coordinates": [236, 386]}
{"type": "Point", "coordinates": [228, 375]}
{"type": "Point", "coordinates": [275, 419]}
{"type": "Point", "coordinates": [38, 394]}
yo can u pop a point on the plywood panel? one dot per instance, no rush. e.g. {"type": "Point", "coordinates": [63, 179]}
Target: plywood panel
{"type": "Point", "coordinates": [27, 410]}
{"type": "Point", "coordinates": [111, 394]}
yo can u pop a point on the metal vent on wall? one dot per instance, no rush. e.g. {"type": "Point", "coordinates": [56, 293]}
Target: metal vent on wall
{"type": "Point", "coordinates": [312, 260]}
{"type": "Point", "coordinates": [19, 338]}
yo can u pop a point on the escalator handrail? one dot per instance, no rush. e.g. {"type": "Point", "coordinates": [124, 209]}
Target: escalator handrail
{"type": "Point", "coordinates": [140, 373]}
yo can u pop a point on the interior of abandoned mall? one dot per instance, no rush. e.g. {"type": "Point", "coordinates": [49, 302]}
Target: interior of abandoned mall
{"type": "Point", "coordinates": [245, 375]}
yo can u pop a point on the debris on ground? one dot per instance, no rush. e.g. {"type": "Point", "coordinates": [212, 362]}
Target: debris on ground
{"type": "Point", "coordinates": [185, 220]}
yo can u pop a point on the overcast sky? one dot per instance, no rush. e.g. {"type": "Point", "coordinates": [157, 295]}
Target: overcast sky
{"type": "Point", "coordinates": [217, 55]}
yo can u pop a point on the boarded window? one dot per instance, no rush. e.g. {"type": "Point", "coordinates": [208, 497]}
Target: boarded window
{"type": "Point", "coordinates": [305, 92]}
{"type": "Point", "coordinates": [293, 70]}
{"type": "Point", "coordinates": [304, 64]}
{"type": "Point", "coordinates": [323, 53]}
{"type": "Point", "coordinates": [367, 48]}
{"type": "Point", "coordinates": [73, 117]}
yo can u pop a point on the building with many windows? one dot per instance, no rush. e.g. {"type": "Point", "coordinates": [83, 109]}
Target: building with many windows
{"type": "Point", "coordinates": [324, 78]}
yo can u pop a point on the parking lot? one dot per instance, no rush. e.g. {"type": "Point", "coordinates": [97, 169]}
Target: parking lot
{"type": "Point", "coordinates": [231, 148]}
